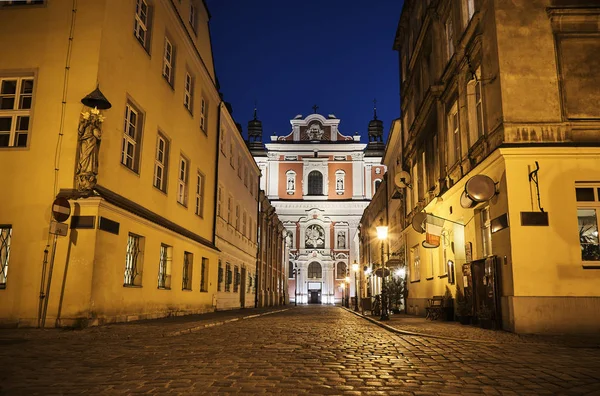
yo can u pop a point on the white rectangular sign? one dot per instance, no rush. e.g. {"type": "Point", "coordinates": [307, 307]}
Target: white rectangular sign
{"type": "Point", "coordinates": [314, 285]}
{"type": "Point", "coordinates": [59, 228]}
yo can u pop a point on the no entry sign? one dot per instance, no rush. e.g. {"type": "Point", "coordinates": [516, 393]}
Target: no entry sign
{"type": "Point", "coordinates": [61, 209]}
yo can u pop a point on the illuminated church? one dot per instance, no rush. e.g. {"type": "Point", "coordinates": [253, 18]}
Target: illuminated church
{"type": "Point", "coordinates": [319, 181]}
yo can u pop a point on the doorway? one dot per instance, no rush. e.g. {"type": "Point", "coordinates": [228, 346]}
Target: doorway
{"type": "Point", "coordinates": [315, 297]}
{"type": "Point", "coordinates": [485, 275]}
{"type": "Point", "coordinates": [314, 292]}
{"type": "Point", "coordinates": [243, 289]}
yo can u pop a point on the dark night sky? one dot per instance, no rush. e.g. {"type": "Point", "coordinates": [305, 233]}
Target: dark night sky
{"type": "Point", "coordinates": [291, 54]}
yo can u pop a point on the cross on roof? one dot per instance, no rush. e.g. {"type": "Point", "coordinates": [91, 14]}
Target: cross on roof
{"type": "Point", "coordinates": [315, 107]}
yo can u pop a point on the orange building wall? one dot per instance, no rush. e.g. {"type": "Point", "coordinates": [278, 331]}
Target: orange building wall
{"type": "Point", "coordinates": [346, 167]}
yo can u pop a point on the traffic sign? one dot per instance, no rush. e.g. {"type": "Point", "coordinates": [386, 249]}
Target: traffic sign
{"type": "Point", "coordinates": [61, 209]}
{"type": "Point", "coordinates": [59, 228]}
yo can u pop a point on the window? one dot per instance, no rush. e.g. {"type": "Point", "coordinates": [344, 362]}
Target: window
{"type": "Point", "coordinates": [376, 185]}
{"type": "Point", "coordinates": [188, 266]}
{"type": "Point", "coordinates": [188, 94]}
{"type": "Point", "coordinates": [231, 160]}
{"type": "Point", "coordinates": [193, 16]}
{"type": "Point", "coordinates": [486, 232]}
{"type": "Point", "coordinates": [219, 200]}
{"type": "Point", "coordinates": [16, 97]}
{"type": "Point", "coordinates": [229, 207]}
{"type": "Point", "coordinates": [160, 163]}
{"type": "Point", "coordinates": [475, 107]}
{"type": "Point", "coordinates": [290, 270]}
{"type": "Point", "coordinates": [416, 180]}
{"type": "Point", "coordinates": [291, 182]}
{"type": "Point", "coordinates": [132, 137]}
{"type": "Point", "coordinates": [5, 237]}
{"type": "Point", "coordinates": [203, 115]}
{"type": "Point", "coordinates": [315, 183]}
{"type": "Point", "coordinates": [141, 27]}
{"type": "Point", "coordinates": [340, 271]}
{"type": "Point", "coordinates": [228, 277]}
{"type": "Point", "coordinates": [237, 217]}
{"type": "Point", "coordinates": [244, 223]}
{"type": "Point", "coordinates": [222, 142]}
{"type": "Point", "coordinates": [433, 261]}
{"type": "Point", "coordinates": [314, 270]}
{"type": "Point", "coordinates": [588, 204]}
{"type": "Point", "coordinates": [239, 167]}
{"type": "Point", "coordinates": [220, 276]}
{"type": "Point", "coordinates": [204, 275]}
{"type": "Point", "coordinates": [133, 261]}
{"type": "Point", "coordinates": [246, 175]}
{"type": "Point", "coordinates": [236, 283]}
{"type": "Point", "coordinates": [168, 61]}
{"type": "Point", "coordinates": [199, 194]}
{"type": "Point", "coordinates": [182, 181]}
{"type": "Point", "coordinates": [449, 37]}
{"type": "Point", "coordinates": [340, 182]}
{"type": "Point", "coordinates": [416, 263]}
{"type": "Point", "coordinates": [164, 266]}
{"type": "Point", "coordinates": [453, 135]}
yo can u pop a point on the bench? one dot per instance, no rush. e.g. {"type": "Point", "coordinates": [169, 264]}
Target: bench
{"type": "Point", "coordinates": [434, 308]}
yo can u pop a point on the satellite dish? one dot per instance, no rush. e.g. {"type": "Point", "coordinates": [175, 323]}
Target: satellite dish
{"type": "Point", "coordinates": [429, 245]}
{"type": "Point", "coordinates": [418, 222]}
{"type": "Point", "coordinates": [402, 179]}
{"type": "Point", "coordinates": [480, 188]}
{"type": "Point", "coordinates": [465, 201]}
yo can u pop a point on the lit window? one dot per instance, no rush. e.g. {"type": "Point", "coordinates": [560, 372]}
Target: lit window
{"type": "Point", "coordinates": [199, 194]}
{"type": "Point", "coordinates": [164, 266]}
{"type": "Point", "coordinates": [160, 163]}
{"type": "Point", "coordinates": [182, 181]}
{"type": "Point", "coordinates": [168, 61]}
{"type": "Point", "coordinates": [132, 136]}
{"type": "Point", "coordinates": [188, 266]}
{"type": "Point", "coordinates": [16, 97]}
{"type": "Point", "coordinates": [188, 92]}
{"type": "Point", "coordinates": [5, 237]}
{"type": "Point", "coordinates": [416, 263]}
{"type": "Point", "coordinates": [133, 261]}
{"type": "Point", "coordinates": [141, 25]}
{"type": "Point", "coordinates": [588, 205]}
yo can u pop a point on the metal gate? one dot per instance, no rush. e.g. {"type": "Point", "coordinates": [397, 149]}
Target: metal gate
{"type": "Point", "coordinates": [486, 292]}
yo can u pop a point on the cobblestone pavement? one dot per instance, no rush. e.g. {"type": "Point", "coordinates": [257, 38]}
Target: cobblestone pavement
{"type": "Point", "coordinates": [303, 350]}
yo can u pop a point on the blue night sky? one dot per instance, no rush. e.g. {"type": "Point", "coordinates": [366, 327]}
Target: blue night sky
{"type": "Point", "coordinates": [289, 55]}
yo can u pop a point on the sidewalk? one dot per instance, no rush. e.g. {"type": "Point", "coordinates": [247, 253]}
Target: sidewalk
{"type": "Point", "coordinates": [162, 327]}
{"type": "Point", "coordinates": [419, 326]}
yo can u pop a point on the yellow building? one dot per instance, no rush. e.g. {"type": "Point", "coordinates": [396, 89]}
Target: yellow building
{"type": "Point", "coordinates": [140, 176]}
{"type": "Point", "coordinates": [237, 217]}
{"type": "Point", "coordinates": [500, 146]}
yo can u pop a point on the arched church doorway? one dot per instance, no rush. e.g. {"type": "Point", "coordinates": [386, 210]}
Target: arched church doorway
{"type": "Point", "coordinates": [315, 286]}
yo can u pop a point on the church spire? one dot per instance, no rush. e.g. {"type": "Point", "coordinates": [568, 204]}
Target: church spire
{"type": "Point", "coordinates": [375, 147]}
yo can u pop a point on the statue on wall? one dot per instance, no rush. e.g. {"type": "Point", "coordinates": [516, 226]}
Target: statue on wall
{"type": "Point", "coordinates": [315, 237]}
{"type": "Point", "coordinates": [341, 239]}
{"type": "Point", "coordinates": [290, 184]}
{"type": "Point", "coordinates": [88, 144]}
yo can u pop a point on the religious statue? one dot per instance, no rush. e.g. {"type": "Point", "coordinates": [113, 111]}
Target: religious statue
{"type": "Point", "coordinates": [290, 185]}
{"type": "Point", "coordinates": [341, 240]}
{"type": "Point", "coordinates": [88, 145]}
{"type": "Point", "coordinates": [340, 184]}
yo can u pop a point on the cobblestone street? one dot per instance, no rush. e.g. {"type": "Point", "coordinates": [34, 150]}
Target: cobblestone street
{"type": "Point", "coordinates": [302, 350]}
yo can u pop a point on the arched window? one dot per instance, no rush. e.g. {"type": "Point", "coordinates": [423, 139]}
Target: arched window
{"type": "Point", "coordinates": [291, 273]}
{"type": "Point", "coordinates": [377, 183]}
{"type": "Point", "coordinates": [315, 183]}
{"type": "Point", "coordinates": [341, 270]}
{"type": "Point", "coordinates": [314, 270]}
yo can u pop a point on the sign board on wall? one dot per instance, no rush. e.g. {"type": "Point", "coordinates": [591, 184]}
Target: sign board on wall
{"type": "Point", "coordinates": [314, 285]}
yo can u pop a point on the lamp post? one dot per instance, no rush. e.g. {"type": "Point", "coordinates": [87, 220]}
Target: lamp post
{"type": "Point", "coordinates": [342, 286]}
{"type": "Point", "coordinates": [347, 288]}
{"type": "Point", "coordinates": [355, 268]}
{"type": "Point", "coordinates": [296, 271]}
{"type": "Point", "coordinates": [382, 232]}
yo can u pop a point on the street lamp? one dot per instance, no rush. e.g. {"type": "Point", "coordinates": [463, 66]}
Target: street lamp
{"type": "Point", "coordinates": [296, 271]}
{"type": "Point", "coordinates": [355, 268]}
{"type": "Point", "coordinates": [382, 233]}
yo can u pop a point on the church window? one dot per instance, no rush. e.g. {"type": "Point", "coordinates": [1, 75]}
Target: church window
{"type": "Point", "coordinates": [340, 182]}
{"type": "Point", "coordinates": [340, 270]}
{"type": "Point", "coordinates": [291, 270]}
{"type": "Point", "coordinates": [290, 182]}
{"type": "Point", "coordinates": [377, 183]}
{"type": "Point", "coordinates": [314, 270]}
{"type": "Point", "coordinates": [315, 183]}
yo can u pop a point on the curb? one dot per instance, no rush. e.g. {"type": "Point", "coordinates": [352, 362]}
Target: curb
{"type": "Point", "coordinates": [220, 323]}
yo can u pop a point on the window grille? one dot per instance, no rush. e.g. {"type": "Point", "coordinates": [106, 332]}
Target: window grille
{"type": "Point", "coordinates": [236, 284]}
{"type": "Point", "coordinates": [204, 275]}
{"type": "Point", "coordinates": [188, 260]}
{"type": "Point", "coordinates": [5, 237]}
{"type": "Point", "coordinates": [228, 279]}
{"type": "Point", "coordinates": [16, 97]}
{"type": "Point", "coordinates": [164, 267]}
{"type": "Point", "coordinates": [220, 277]}
{"type": "Point", "coordinates": [133, 268]}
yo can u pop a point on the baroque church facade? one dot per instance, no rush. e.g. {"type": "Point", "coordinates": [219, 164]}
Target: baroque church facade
{"type": "Point", "coordinates": [319, 181]}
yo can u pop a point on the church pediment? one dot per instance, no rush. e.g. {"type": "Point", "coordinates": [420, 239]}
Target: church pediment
{"type": "Point", "coordinates": [315, 128]}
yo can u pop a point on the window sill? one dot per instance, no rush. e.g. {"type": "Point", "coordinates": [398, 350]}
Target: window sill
{"type": "Point", "coordinates": [163, 288]}
{"type": "Point", "coordinates": [133, 286]}
{"type": "Point", "coordinates": [415, 281]}
{"type": "Point", "coordinates": [182, 204]}
{"type": "Point", "coordinates": [169, 83]}
{"type": "Point", "coordinates": [443, 276]}
{"type": "Point", "coordinates": [429, 278]}
{"type": "Point", "coordinates": [206, 134]}
{"type": "Point", "coordinates": [189, 111]}
{"type": "Point", "coordinates": [595, 266]}
{"type": "Point", "coordinates": [186, 290]}
{"type": "Point", "coordinates": [130, 169]}
{"type": "Point", "coordinates": [145, 48]}
{"type": "Point", "coordinates": [162, 191]}
{"type": "Point", "coordinates": [203, 291]}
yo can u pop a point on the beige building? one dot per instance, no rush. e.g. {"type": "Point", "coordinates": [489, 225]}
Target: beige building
{"type": "Point", "coordinates": [500, 142]}
{"type": "Point", "coordinates": [237, 211]}
{"type": "Point", "coordinates": [139, 176]}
